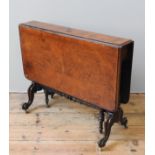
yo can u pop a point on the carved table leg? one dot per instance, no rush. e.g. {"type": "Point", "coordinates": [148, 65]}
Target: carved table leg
{"type": "Point", "coordinates": [52, 94]}
{"type": "Point", "coordinates": [34, 87]}
{"type": "Point", "coordinates": [48, 92]}
{"type": "Point", "coordinates": [46, 97]}
{"type": "Point", "coordinates": [112, 118]}
{"type": "Point", "coordinates": [123, 120]}
{"type": "Point", "coordinates": [107, 125]}
{"type": "Point", "coordinates": [101, 120]}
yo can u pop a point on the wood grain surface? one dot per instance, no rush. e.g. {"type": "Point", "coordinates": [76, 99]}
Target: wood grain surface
{"type": "Point", "coordinates": [87, 69]}
{"type": "Point", "coordinates": [72, 32]}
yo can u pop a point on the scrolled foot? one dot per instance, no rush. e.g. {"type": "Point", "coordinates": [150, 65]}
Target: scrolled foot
{"type": "Point", "coordinates": [102, 142]}
{"type": "Point", "coordinates": [33, 88]}
{"type": "Point", "coordinates": [124, 122]}
{"type": "Point", "coordinates": [25, 106]}
{"type": "Point", "coordinates": [111, 118]}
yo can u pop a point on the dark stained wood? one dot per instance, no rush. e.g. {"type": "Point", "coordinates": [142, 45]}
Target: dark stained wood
{"type": "Point", "coordinates": [79, 63]}
{"type": "Point", "coordinates": [126, 66]}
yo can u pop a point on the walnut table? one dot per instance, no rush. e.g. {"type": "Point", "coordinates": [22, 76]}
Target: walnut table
{"type": "Point", "coordinates": [90, 68]}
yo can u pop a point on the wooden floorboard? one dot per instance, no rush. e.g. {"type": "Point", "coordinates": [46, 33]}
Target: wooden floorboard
{"type": "Point", "coordinates": [69, 128]}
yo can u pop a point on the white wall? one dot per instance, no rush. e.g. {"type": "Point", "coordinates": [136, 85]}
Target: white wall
{"type": "Point", "coordinates": [124, 18]}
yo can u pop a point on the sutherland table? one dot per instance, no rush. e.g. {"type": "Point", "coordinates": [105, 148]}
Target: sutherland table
{"type": "Point", "coordinates": [86, 67]}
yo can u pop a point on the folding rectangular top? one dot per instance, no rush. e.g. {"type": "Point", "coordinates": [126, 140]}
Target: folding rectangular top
{"type": "Point", "coordinates": [82, 64]}
{"type": "Point", "coordinates": [91, 36]}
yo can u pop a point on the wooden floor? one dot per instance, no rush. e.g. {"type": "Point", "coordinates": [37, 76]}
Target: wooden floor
{"type": "Point", "coordinates": [69, 128]}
